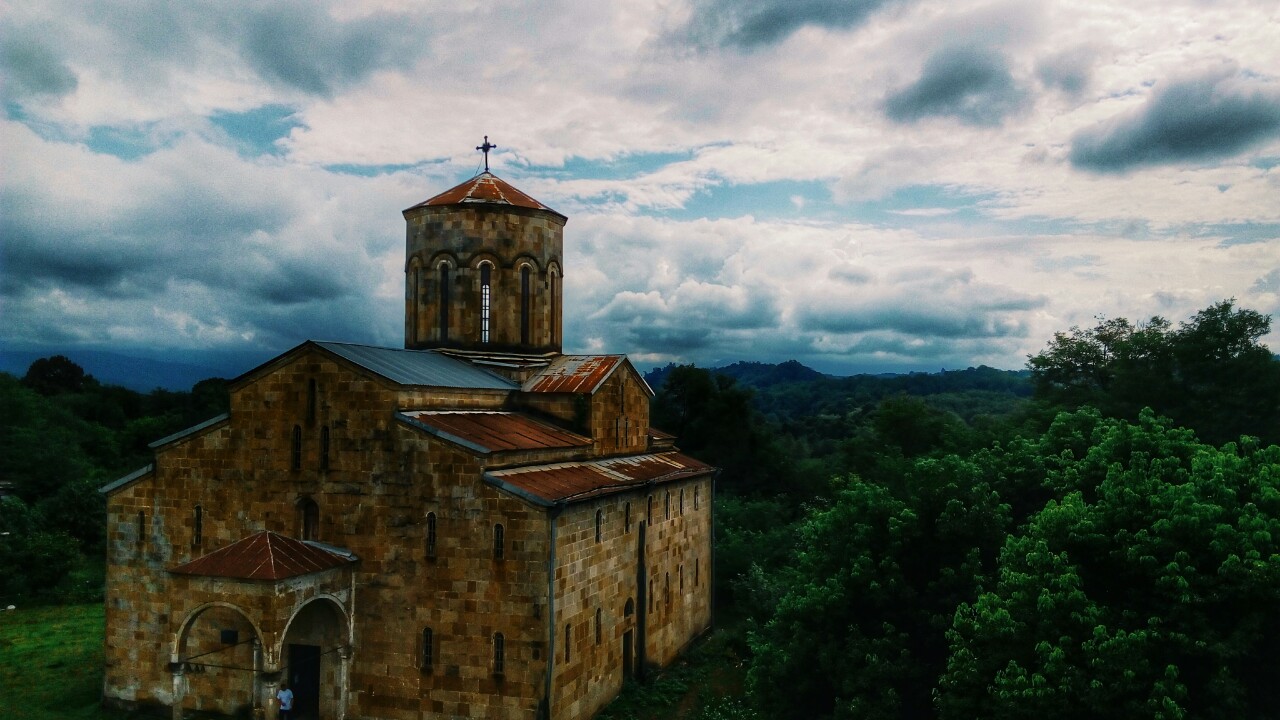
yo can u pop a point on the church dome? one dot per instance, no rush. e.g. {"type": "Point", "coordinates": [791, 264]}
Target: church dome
{"type": "Point", "coordinates": [485, 188]}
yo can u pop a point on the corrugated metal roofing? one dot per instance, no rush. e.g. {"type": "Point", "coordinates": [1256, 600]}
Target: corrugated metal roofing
{"type": "Point", "coordinates": [587, 479]}
{"type": "Point", "coordinates": [496, 431]}
{"type": "Point", "coordinates": [574, 374]}
{"type": "Point", "coordinates": [265, 556]}
{"type": "Point", "coordinates": [419, 367]}
{"type": "Point", "coordinates": [485, 188]}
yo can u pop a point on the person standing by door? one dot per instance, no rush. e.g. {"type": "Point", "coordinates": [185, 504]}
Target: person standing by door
{"type": "Point", "coordinates": [285, 696]}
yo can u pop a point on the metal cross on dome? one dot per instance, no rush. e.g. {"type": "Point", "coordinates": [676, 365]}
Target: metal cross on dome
{"type": "Point", "coordinates": [486, 147]}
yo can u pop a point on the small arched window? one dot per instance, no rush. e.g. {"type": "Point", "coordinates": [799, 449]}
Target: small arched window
{"type": "Point", "coordinates": [599, 524]}
{"type": "Point", "coordinates": [486, 297]}
{"type": "Point", "coordinates": [682, 576]}
{"type": "Point", "coordinates": [555, 306]}
{"type": "Point", "coordinates": [651, 598]}
{"type": "Point", "coordinates": [428, 649]}
{"type": "Point", "coordinates": [667, 506]}
{"type": "Point", "coordinates": [695, 497]}
{"type": "Point", "coordinates": [568, 641]}
{"type": "Point", "coordinates": [415, 299]}
{"type": "Point", "coordinates": [324, 448]}
{"type": "Point", "coordinates": [681, 501]}
{"type": "Point", "coordinates": [629, 609]}
{"type": "Point", "coordinates": [599, 626]}
{"type": "Point", "coordinates": [695, 572]}
{"type": "Point", "coordinates": [526, 304]}
{"type": "Point", "coordinates": [295, 450]}
{"type": "Point", "coordinates": [499, 654]}
{"type": "Point", "coordinates": [499, 549]}
{"type": "Point", "coordinates": [626, 517]}
{"type": "Point", "coordinates": [197, 527]}
{"type": "Point", "coordinates": [666, 589]}
{"type": "Point", "coordinates": [431, 534]}
{"type": "Point", "coordinates": [648, 514]}
{"type": "Point", "coordinates": [444, 301]}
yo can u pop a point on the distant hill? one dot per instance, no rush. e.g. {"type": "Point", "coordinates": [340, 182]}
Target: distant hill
{"type": "Point", "coordinates": [139, 374]}
{"type": "Point", "coordinates": [753, 374]}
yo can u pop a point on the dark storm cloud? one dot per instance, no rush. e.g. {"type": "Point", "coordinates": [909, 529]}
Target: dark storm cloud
{"type": "Point", "coordinates": [950, 317]}
{"type": "Point", "coordinates": [972, 85]}
{"type": "Point", "coordinates": [1195, 119]}
{"type": "Point", "coordinates": [31, 68]}
{"type": "Point", "coordinates": [749, 24]}
{"type": "Point", "coordinates": [308, 50]}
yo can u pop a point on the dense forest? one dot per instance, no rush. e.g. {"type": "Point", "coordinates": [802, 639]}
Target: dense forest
{"type": "Point", "coordinates": [1095, 536]}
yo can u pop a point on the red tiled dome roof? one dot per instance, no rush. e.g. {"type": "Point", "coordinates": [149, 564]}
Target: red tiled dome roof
{"type": "Point", "coordinates": [485, 188]}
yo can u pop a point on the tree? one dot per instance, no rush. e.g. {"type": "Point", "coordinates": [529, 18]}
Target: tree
{"type": "Point", "coordinates": [1211, 374]}
{"type": "Point", "coordinates": [55, 375]}
{"type": "Point", "coordinates": [1147, 589]}
{"type": "Point", "coordinates": [858, 627]}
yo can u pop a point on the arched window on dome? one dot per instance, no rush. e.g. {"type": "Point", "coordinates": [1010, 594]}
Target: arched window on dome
{"type": "Point", "coordinates": [486, 297]}
{"type": "Point", "coordinates": [554, 293]}
{"type": "Point", "coordinates": [415, 299]}
{"type": "Point", "coordinates": [526, 303]}
{"type": "Point", "coordinates": [444, 301]}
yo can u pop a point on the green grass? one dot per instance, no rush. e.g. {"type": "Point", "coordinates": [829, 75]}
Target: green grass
{"type": "Point", "coordinates": [706, 684]}
{"type": "Point", "coordinates": [51, 663]}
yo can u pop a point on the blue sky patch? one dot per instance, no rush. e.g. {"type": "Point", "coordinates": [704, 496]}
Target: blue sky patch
{"type": "Point", "coordinates": [256, 131]}
{"type": "Point", "coordinates": [124, 143]}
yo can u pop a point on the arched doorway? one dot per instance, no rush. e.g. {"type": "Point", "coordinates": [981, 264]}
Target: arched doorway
{"type": "Point", "coordinates": [217, 656]}
{"type": "Point", "coordinates": [313, 657]}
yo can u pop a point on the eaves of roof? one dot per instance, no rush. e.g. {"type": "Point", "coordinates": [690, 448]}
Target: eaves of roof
{"type": "Point", "coordinates": [193, 430]}
{"type": "Point", "coordinates": [127, 479]}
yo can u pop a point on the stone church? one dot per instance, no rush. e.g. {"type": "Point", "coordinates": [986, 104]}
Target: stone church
{"type": "Point", "coordinates": [473, 526]}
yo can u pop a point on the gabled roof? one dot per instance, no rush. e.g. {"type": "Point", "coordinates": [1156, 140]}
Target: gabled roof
{"type": "Point", "coordinates": [121, 482]}
{"type": "Point", "coordinates": [419, 367]}
{"type": "Point", "coordinates": [266, 556]}
{"type": "Point", "coordinates": [494, 431]}
{"type": "Point", "coordinates": [485, 188]}
{"type": "Point", "coordinates": [583, 374]}
{"type": "Point", "coordinates": [573, 481]}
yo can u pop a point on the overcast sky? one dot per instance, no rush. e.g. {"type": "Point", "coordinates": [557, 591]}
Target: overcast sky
{"type": "Point", "coordinates": [861, 185]}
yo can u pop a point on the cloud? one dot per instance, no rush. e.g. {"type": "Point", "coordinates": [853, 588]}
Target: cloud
{"type": "Point", "coordinates": [1068, 70]}
{"type": "Point", "coordinates": [1196, 119]}
{"type": "Point", "coordinates": [749, 24]}
{"type": "Point", "coordinates": [972, 85]}
{"type": "Point", "coordinates": [32, 68]}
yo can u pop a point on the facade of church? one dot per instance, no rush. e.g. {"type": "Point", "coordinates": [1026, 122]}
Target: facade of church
{"type": "Point", "coordinates": [474, 526]}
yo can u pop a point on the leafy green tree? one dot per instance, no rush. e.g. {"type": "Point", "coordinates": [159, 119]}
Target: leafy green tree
{"type": "Point", "coordinates": [864, 602]}
{"type": "Point", "coordinates": [33, 558]}
{"type": "Point", "coordinates": [1211, 374]}
{"type": "Point", "coordinates": [1148, 589]}
{"type": "Point", "coordinates": [55, 375]}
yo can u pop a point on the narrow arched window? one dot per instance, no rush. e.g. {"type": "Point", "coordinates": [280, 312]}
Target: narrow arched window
{"type": "Point", "coordinates": [310, 525]}
{"type": "Point", "coordinates": [629, 609]}
{"type": "Point", "coordinates": [431, 535]}
{"type": "Point", "coordinates": [695, 572]}
{"type": "Point", "coordinates": [568, 641]}
{"type": "Point", "coordinates": [415, 299]}
{"type": "Point", "coordinates": [526, 304]}
{"type": "Point", "coordinates": [626, 517]}
{"type": "Point", "coordinates": [682, 576]}
{"type": "Point", "coordinates": [444, 301]}
{"type": "Point", "coordinates": [324, 448]}
{"type": "Point", "coordinates": [311, 402]}
{"type": "Point", "coordinates": [648, 515]}
{"type": "Point", "coordinates": [651, 598]}
{"type": "Point", "coordinates": [485, 299]}
{"type": "Point", "coordinates": [142, 528]}
{"type": "Point", "coordinates": [499, 654]}
{"type": "Point", "coordinates": [599, 625]}
{"type": "Point", "coordinates": [555, 306]}
{"type": "Point", "coordinates": [498, 542]}
{"type": "Point", "coordinates": [295, 451]}
{"type": "Point", "coordinates": [599, 524]}
{"type": "Point", "coordinates": [667, 506]}
{"type": "Point", "coordinates": [428, 649]}
{"type": "Point", "coordinates": [666, 589]}
{"type": "Point", "coordinates": [197, 527]}
{"type": "Point", "coordinates": [695, 497]}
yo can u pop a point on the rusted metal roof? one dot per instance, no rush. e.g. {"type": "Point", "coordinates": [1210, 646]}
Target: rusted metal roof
{"type": "Point", "coordinates": [485, 188]}
{"type": "Point", "coordinates": [573, 481]}
{"type": "Point", "coordinates": [495, 431]}
{"type": "Point", "coordinates": [265, 556]}
{"type": "Point", "coordinates": [574, 374]}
